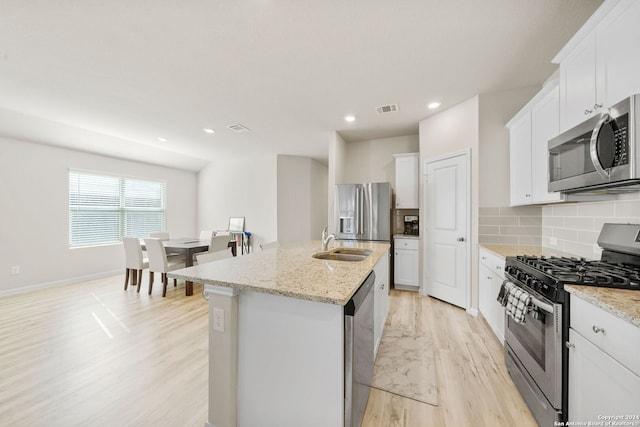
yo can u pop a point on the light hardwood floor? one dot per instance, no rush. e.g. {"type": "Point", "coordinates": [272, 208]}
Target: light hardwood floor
{"type": "Point", "coordinates": [93, 354]}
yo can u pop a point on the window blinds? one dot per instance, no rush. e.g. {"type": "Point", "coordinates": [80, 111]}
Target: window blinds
{"type": "Point", "coordinates": [103, 208]}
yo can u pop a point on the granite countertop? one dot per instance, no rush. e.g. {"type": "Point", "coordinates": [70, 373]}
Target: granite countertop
{"type": "Point", "coordinates": [405, 236]}
{"type": "Point", "coordinates": [622, 303]}
{"type": "Point", "coordinates": [290, 270]}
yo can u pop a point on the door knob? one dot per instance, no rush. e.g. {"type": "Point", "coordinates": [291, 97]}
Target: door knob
{"type": "Point", "coordinates": [460, 239]}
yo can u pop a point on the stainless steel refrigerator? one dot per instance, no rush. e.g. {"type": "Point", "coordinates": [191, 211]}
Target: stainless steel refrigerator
{"type": "Point", "coordinates": [363, 211]}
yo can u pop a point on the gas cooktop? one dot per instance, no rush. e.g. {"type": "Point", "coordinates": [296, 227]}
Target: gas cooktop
{"type": "Point", "coordinates": [583, 272]}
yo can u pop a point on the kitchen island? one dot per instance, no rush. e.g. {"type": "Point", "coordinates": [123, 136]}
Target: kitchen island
{"type": "Point", "coordinates": [276, 332]}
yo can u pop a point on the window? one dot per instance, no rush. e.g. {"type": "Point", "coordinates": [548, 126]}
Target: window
{"type": "Point", "coordinates": [103, 208]}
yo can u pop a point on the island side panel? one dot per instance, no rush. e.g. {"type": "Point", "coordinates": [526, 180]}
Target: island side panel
{"type": "Point", "coordinates": [290, 362]}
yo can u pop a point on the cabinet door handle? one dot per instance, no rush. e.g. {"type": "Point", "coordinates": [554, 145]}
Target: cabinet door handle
{"type": "Point", "coordinates": [597, 106]}
{"type": "Point", "coordinates": [569, 345]}
{"type": "Point", "coordinates": [484, 257]}
{"type": "Point", "coordinates": [460, 239]}
{"type": "Point", "coordinates": [527, 195]}
{"type": "Point", "coordinates": [587, 112]}
{"type": "Point", "coordinates": [498, 267]}
{"type": "Point", "coordinates": [597, 330]}
{"type": "Point", "coordinates": [489, 277]}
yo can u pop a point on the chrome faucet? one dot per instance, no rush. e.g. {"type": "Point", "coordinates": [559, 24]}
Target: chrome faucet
{"type": "Point", "coordinates": [326, 237]}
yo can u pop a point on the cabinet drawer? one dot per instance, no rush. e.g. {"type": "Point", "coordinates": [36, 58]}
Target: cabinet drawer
{"type": "Point", "coordinates": [411, 244]}
{"type": "Point", "coordinates": [614, 336]}
{"type": "Point", "coordinates": [492, 261]}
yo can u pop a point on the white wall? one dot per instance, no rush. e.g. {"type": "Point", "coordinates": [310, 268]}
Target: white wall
{"type": "Point", "coordinates": [454, 130]}
{"type": "Point", "coordinates": [34, 222]}
{"type": "Point", "coordinates": [302, 199]}
{"type": "Point", "coordinates": [372, 160]}
{"type": "Point", "coordinates": [243, 187]}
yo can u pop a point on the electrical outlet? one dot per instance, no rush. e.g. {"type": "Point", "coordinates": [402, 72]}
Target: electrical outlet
{"type": "Point", "coordinates": [553, 241]}
{"type": "Point", "coordinates": [15, 269]}
{"type": "Point", "coordinates": [218, 319]}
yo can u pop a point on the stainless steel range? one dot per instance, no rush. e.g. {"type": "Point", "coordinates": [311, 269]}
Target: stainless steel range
{"type": "Point", "coordinates": [535, 355]}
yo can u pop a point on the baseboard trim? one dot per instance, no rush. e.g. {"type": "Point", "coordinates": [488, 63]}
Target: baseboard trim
{"type": "Point", "coordinates": [58, 282]}
{"type": "Point", "coordinates": [473, 311]}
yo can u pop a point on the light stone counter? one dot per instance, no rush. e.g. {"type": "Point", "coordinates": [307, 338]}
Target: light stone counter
{"type": "Point", "coordinates": [291, 271]}
{"type": "Point", "coordinates": [622, 303]}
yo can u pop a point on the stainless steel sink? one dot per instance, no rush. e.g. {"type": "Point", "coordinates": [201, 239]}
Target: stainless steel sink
{"type": "Point", "coordinates": [334, 256]}
{"type": "Point", "coordinates": [352, 251]}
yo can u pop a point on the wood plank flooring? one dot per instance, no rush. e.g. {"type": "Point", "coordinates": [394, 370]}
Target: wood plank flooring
{"type": "Point", "coordinates": [90, 353]}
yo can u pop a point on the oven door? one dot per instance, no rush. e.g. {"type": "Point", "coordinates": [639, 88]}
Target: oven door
{"type": "Point", "coordinates": [537, 344]}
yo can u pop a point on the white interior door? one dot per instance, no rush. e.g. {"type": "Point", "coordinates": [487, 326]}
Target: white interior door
{"type": "Point", "coordinates": [447, 227]}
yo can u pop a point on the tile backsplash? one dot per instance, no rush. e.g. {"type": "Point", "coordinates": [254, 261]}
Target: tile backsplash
{"type": "Point", "coordinates": [521, 225]}
{"type": "Point", "coordinates": [572, 228]}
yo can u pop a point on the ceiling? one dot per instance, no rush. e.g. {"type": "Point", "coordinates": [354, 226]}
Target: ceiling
{"type": "Point", "coordinates": [111, 77]}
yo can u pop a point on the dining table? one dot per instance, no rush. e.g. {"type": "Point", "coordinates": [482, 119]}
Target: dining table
{"type": "Point", "coordinates": [188, 247]}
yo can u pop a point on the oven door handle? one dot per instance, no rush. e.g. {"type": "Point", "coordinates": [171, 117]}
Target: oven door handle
{"type": "Point", "coordinates": [542, 305]}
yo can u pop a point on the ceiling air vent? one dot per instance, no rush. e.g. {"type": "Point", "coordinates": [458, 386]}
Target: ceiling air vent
{"type": "Point", "coordinates": [238, 128]}
{"type": "Point", "coordinates": [387, 108]}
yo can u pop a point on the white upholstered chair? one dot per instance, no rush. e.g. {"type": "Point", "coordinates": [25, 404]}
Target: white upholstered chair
{"type": "Point", "coordinates": [158, 263]}
{"type": "Point", "coordinates": [204, 257]}
{"type": "Point", "coordinates": [160, 235]}
{"type": "Point", "coordinates": [206, 234]}
{"type": "Point", "coordinates": [269, 245]}
{"type": "Point", "coordinates": [134, 261]}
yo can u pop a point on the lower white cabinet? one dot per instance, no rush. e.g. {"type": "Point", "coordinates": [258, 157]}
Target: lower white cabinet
{"type": "Point", "coordinates": [380, 298]}
{"type": "Point", "coordinates": [604, 373]}
{"type": "Point", "coordinates": [491, 276]}
{"type": "Point", "coordinates": [406, 263]}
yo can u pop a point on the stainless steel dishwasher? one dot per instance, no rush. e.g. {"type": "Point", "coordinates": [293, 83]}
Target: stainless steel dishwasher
{"type": "Point", "coordinates": [358, 355]}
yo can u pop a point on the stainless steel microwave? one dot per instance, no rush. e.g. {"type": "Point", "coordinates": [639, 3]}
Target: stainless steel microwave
{"type": "Point", "coordinates": [601, 154]}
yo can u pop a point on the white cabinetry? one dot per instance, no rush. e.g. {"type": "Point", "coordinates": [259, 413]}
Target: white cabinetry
{"type": "Point", "coordinates": [381, 298]}
{"type": "Point", "coordinates": [491, 276]}
{"type": "Point", "coordinates": [602, 67]}
{"type": "Point", "coordinates": [604, 367]}
{"type": "Point", "coordinates": [407, 170]}
{"type": "Point", "coordinates": [405, 263]}
{"type": "Point", "coordinates": [578, 83]}
{"type": "Point", "coordinates": [529, 133]}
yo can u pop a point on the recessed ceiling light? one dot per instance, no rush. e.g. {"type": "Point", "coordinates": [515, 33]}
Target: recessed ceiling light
{"type": "Point", "coordinates": [209, 130]}
{"type": "Point", "coordinates": [350, 118]}
{"type": "Point", "coordinates": [161, 139]}
{"type": "Point", "coordinates": [433, 105]}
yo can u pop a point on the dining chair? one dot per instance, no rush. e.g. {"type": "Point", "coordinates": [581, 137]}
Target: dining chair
{"type": "Point", "coordinates": [161, 235]}
{"type": "Point", "coordinates": [206, 234]}
{"type": "Point", "coordinates": [218, 243]}
{"type": "Point", "coordinates": [134, 261]}
{"type": "Point", "coordinates": [269, 245]}
{"type": "Point", "coordinates": [158, 263]}
{"type": "Point", "coordinates": [204, 257]}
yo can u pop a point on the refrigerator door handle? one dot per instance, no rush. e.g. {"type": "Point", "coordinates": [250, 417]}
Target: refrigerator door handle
{"type": "Point", "coordinates": [360, 210]}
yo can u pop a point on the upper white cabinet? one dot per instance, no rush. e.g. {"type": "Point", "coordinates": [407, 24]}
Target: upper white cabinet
{"type": "Point", "coordinates": [601, 67]}
{"type": "Point", "coordinates": [618, 54]}
{"type": "Point", "coordinates": [578, 84]}
{"type": "Point", "coordinates": [529, 133]}
{"type": "Point", "coordinates": [520, 160]}
{"type": "Point", "coordinates": [407, 170]}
